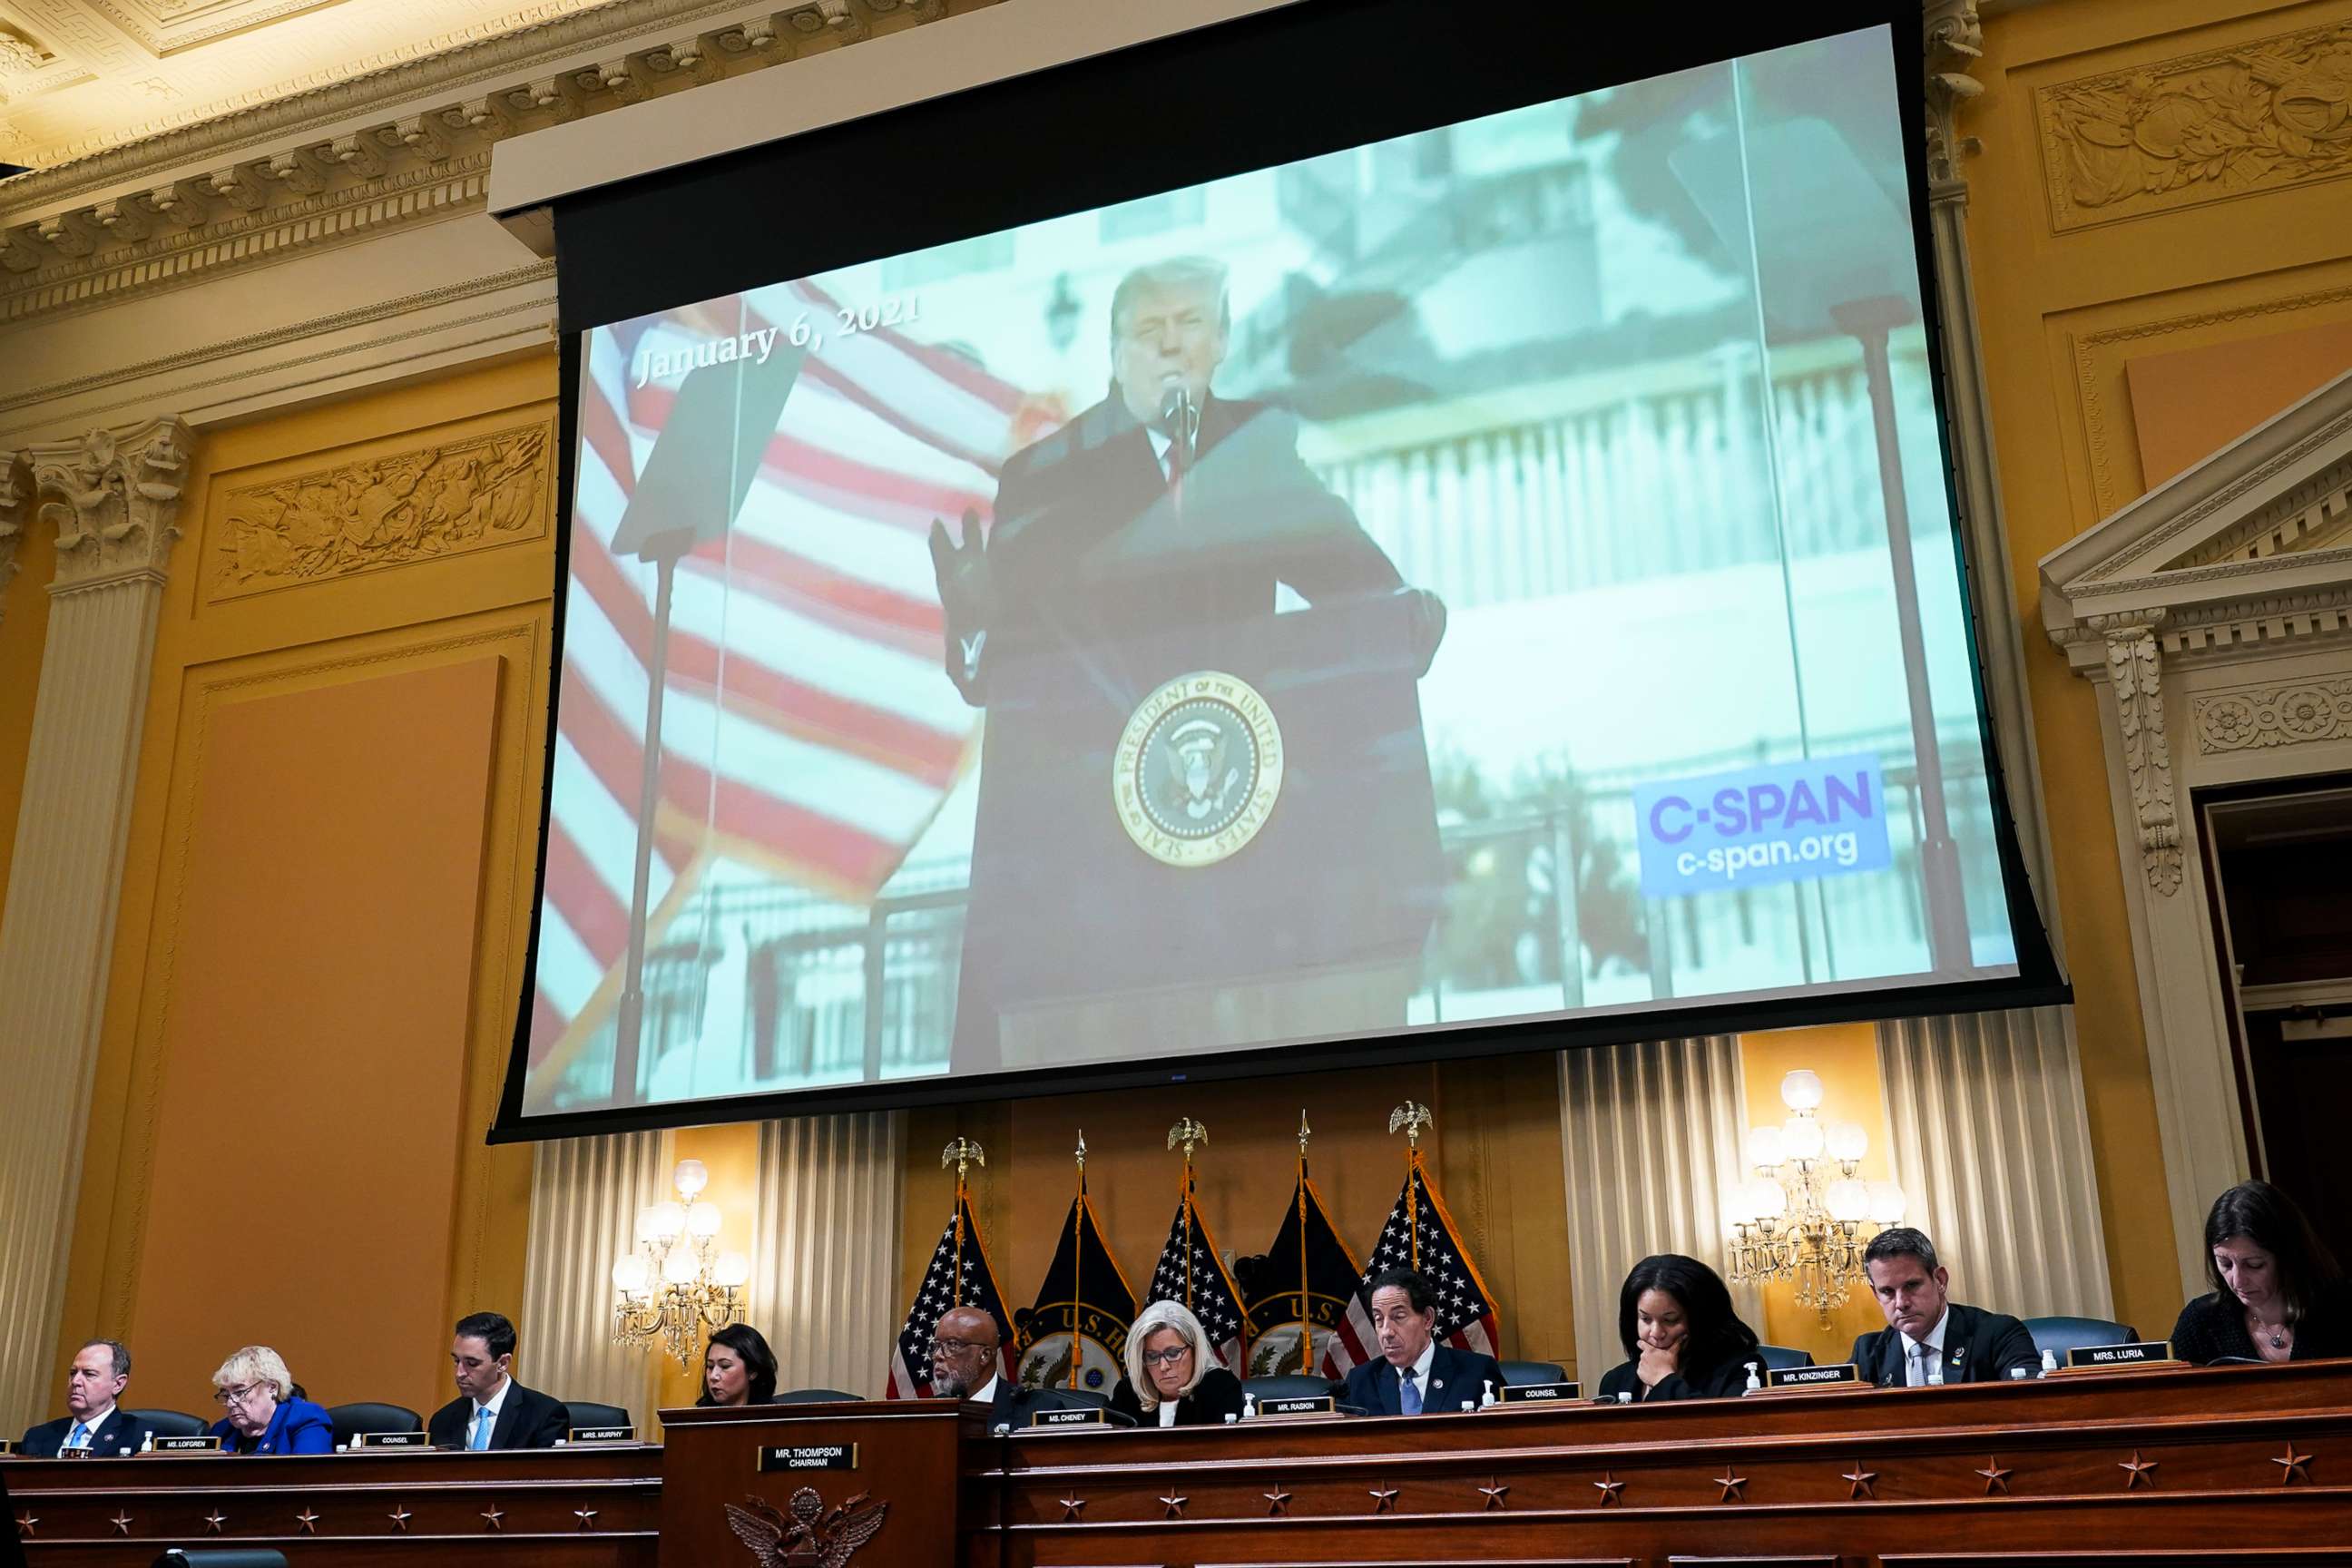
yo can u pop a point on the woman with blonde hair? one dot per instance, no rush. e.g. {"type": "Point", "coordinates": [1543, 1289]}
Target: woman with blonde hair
{"type": "Point", "coordinates": [1172, 1379]}
{"type": "Point", "coordinates": [265, 1413]}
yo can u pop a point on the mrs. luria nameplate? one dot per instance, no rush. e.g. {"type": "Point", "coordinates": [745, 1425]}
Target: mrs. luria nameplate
{"type": "Point", "coordinates": [2135, 1352]}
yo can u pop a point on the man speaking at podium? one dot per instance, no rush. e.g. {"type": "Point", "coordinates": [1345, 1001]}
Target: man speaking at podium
{"type": "Point", "coordinates": [1141, 541]}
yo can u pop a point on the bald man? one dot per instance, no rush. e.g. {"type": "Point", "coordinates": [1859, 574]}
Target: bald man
{"type": "Point", "coordinates": [966, 1365]}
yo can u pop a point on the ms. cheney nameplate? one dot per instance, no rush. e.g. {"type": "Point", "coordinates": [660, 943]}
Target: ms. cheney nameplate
{"type": "Point", "coordinates": [1198, 769]}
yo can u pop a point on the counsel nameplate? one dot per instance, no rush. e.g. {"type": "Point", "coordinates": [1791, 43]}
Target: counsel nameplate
{"type": "Point", "coordinates": [394, 1440]}
{"type": "Point", "coordinates": [2135, 1352]}
{"type": "Point", "coordinates": [1812, 1376]}
{"type": "Point", "coordinates": [810, 1457]}
{"type": "Point", "coordinates": [1541, 1393]}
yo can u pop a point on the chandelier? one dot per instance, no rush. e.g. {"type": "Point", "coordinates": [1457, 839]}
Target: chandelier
{"type": "Point", "coordinates": [1797, 1219]}
{"type": "Point", "coordinates": [677, 1285]}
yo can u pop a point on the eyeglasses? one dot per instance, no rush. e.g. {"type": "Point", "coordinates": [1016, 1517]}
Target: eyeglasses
{"type": "Point", "coordinates": [956, 1347]}
{"type": "Point", "coordinates": [239, 1396]}
{"type": "Point", "coordinates": [1168, 1357]}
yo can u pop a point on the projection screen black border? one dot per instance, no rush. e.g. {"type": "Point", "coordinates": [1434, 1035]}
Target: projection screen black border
{"type": "Point", "coordinates": [1336, 63]}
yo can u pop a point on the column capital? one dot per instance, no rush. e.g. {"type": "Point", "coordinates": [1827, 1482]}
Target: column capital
{"type": "Point", "coordinates": [1955, 38]}
{"type": "Point", "coordinates": [15, 509]}
{"type": "Point", "coordinates": [114, 497]}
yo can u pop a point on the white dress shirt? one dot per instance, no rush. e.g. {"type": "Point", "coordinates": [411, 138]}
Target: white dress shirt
{"type": "Point", "coordinates": [1420, 1370]}
{"type": "Point", "coordinates": [496, 1402]}
{"type": "Point", "coordinates": [89, 1426]}
{"type": "Point", "coordinates": [1916, 1365]}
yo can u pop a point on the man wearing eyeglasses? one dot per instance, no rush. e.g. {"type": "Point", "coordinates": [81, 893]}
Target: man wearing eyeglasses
{"type": "Point", "coordinates": [966, 1365]}
{"type": "Point", "coordinates": [95, 1424]}
{"type": "Point", "coordinates": [492, 1411]}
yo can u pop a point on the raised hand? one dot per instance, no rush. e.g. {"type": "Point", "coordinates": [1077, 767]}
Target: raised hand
{"type": "Point", "coordinates": [967, 598]}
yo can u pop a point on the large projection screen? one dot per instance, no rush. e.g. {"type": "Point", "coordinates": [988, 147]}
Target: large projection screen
{"type": "Point", "coordinates": [1488, 584]}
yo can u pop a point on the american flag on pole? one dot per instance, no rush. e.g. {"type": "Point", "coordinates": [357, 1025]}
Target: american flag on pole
{"type": "Point", "coordinates": [1420, 1236]}
{"type": "Point", "coordinates": [808, 729]}
{"type": "Point", "coordinates": [1193, 1272]}
{"type": "Point", "coordinates": [958, 1275]}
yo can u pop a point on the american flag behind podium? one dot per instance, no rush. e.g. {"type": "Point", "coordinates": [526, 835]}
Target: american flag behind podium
{"type": "Point", "coordinates": [958, 1275]}
{"type": "Point", "coordinates": [808, 729]}
{"type": "Point", "coordinates": [1420, 1235]}
{"type": "Point", "coordinates": [1193, 1272]}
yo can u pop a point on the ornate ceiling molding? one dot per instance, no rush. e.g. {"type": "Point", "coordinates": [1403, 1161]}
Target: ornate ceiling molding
{"type": "Point", "coordinates": [408, 141]}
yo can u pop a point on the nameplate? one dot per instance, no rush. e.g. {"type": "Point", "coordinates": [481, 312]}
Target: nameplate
{"type": "Point", "coordinates": [1540, 1393]}
{"type": "Point", "coordinates": [1812, 1376]}
{"type": "Point", "coordinates": [603, 1434]}
{"type": "Point", "coordinates": [207, 1444]}
{"type": "Point", "coordinates": [7, 1446]}
{"type": "Point", "coordinates": [2139, 1352]}
{"type": "Point", "coordinates": [75, 1453]}
{"type": "Point", "coordinates": [393, 1440]}
{"type": "Point", "coordinates": [810, 1457]}
{"type": "Point", "coordinates": [1087, 1417]}
{"type": "Point", "coordinates": [1299, 1405]}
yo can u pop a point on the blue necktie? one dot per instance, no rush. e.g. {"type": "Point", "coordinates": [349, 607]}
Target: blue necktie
{"type": "Point", "coordinates": [79, 1438]}
{"type": "Point", "coordinates": [481, 1428]}
{"type": "Point", "coordinates": [1408, 1392]}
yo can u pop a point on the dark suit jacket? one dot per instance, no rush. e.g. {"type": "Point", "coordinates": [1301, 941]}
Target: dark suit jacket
{"type": "Point", "coordinates": [1217, 1395]}
{"type": "Point", "coordinates": [114, 1434]}
{"type": "Point", "coordinates": [1727, 1381]}
{"type": "Point", "coordinates": [297, 1427]}
{"type": "Point", "coordinates": [1454, 1375]}
{"type": "Point", "coordinates": [527, 1419]}
{"type": "Point", "coordinates": [1979, 1347]}
{"type": "Point", "coordinates": [1014, 1404]}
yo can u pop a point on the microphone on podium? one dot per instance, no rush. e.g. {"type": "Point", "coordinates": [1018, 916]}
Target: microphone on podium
{"type": "Point", "coordinates": [1183, 417]}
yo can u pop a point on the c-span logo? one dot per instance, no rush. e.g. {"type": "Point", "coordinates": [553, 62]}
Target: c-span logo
{"type": "Point", "coordinates": [1198, 769]}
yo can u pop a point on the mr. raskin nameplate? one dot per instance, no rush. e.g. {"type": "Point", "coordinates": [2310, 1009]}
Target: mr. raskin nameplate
{"type": "Point", "coordinates": [1812, 1376]}
{"type": "Point", "coordinates": [810, 1457]}
{"type": "Point", "coordinates": [1541, 1393]}
{"type": "Point", "coordinates": [603, 1434]}
{"type": "Point", "coordinates": [394, 1440]}
{"type": "Point", "coordinates": [1299, 1405]}
{"type": "Point", "coordinates": [1087, 1417]}
{"type": "Point", "coordinates": [207, 1444]}
{"type": "Point", "coordinates": [2137, 1352]}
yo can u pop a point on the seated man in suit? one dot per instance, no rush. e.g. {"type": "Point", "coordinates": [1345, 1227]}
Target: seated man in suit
{"type": "Point", "coordinates": [1928, 1337]}
{"type": "Point", "coordinates": [966, 1364]}
{"type": "Point", "coordinates": [95, 1423]}
{"type": "Point", "coordinates": [1415, 1375]}
{"type": "Point", "coordinates": [493, 1411]}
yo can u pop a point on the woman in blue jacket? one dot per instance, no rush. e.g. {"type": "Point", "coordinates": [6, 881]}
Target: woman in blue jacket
{"type": "Point", "coordinates": [264, 1414]}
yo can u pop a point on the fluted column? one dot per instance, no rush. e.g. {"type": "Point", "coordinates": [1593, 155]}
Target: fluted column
{"type": "Point", "coordinates": [16, 492]}
{"type": "Point", "coordinates": [585, 1197]}
{"type": "Point", "coordinates": [826, 1261]}
{"type": "Point", "coordinates": [114, 498]}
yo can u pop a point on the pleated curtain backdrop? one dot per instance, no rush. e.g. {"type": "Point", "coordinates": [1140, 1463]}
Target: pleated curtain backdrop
{"type": "Point", "coordinates": [1647, 1128]}
{"type": "Point", "coordinates": [585, 1197]}
{"type": "Point", "coordinates": [825, 1264]}
{"type": "Point", "coordinates": [1992, 1145]}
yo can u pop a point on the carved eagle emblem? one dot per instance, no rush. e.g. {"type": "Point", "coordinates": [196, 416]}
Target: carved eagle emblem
{"type": "Point", "coordinates": [807, 1532]}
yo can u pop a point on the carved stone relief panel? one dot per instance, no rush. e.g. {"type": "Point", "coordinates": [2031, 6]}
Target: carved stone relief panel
{"type": "Point", "coordinates": [2199, 128]}
{"type": "Point", "coordinates": [2257, 717]}
{"type": "Point", "coordinates": [425, 504]}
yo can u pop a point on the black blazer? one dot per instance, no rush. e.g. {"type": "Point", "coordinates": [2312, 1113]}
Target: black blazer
{"type": "Point", "coordinates": [1454, 1375]}
{"type": "Point", "coordinates": [1014, 1404]}
{"type": "Point", "coordinates": [1217, 1395]}
{"type": "Point", "coordinates": [1979, 1347]}
{"type": "Point", "coordinates": [117, 1433]}
{"type": "Point", "coordinates": [2214, 1326]}
{"type": "Point", "coordinates": [527, 1420]}
{"type": "Point", "coordinates": [1727, 1380]}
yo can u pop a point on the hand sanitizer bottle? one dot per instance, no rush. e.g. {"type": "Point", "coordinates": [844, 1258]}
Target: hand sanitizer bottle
{"type": "Point", "coordinates": [1754, 1385]}
{"type": "Point", "coordinates": [1486, 1400]}
{"type": "Point", "coordinates": [1249, 1406]}
{"type": "Point", "coordinates": [2049, 1363]}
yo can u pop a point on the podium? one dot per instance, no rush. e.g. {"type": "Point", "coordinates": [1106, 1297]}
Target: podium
{"type": "Point", "coordinates": [1202, 838]}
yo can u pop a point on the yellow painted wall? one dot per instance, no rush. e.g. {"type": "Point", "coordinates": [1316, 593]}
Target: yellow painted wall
{"type": "Point", "coordinates": [23, 624]}
{"type": "Point", "coordinates": [325, 902]}
{"type": "Point", "coordinates": [2076, 280]}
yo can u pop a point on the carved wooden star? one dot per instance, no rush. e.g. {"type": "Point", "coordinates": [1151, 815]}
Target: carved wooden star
{"type": "Point", "coordinates": [308, 1520]}
{"type": "Point", "coordinates": [1996, 1479]}
{"type": "Point", "coordinates": [1383, 1499]}
{"type": "Point", "coordinates": [122, 1520]}
{"type": "Point", "coordinates": [494, 1517]}
{"type": "Point", "coordinates": [1610, 1487]}
{"type": "Point", "coordinates": [24, 1522]}
{"type": "Point", "coordinates": [1174, 1503]}
{"type": "Point", "coordinates": [400, 1516]}
{"type": "Point", "coordinates": [1277, 1502]}
{"type": "Point", "coordinates": [2140, 1471]}
{"type": "Point", "coordinates": [586, 1516]}
{"type": "Point", "coordinates": [214, 1520]}
{"type": "Point", "coordinates": [1734, 1488]}
{"type": "Point", "coordinates": [1494, 1494]}
{"type": "Point", "coordinates": [1070, 1507]}
{"type": "Point", "coordinates": [2294, 1467]}
{"type": "Point", "coordinates": [1859, 1482]}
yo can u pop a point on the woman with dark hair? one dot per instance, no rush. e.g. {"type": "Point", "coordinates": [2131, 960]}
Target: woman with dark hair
{"type": "Point", "coordinates": [1681, 1338]}
{"type": "Point", "coordinates": [738, 1368]}
{"type": "Point", "coordinates": [2277, 1294]}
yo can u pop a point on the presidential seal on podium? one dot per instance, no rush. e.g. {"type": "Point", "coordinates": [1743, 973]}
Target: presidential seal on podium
{"type": "Point", "coordinates": [1198, 769]}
